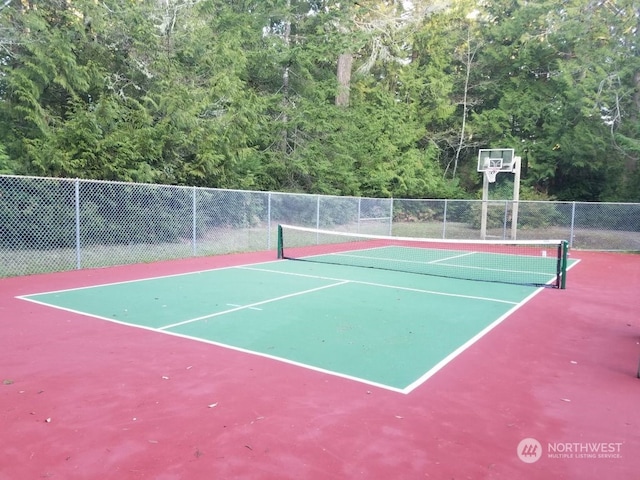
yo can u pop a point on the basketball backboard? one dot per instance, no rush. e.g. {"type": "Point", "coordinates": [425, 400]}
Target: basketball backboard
{"type": "Point", "coordinates": [496, 158]}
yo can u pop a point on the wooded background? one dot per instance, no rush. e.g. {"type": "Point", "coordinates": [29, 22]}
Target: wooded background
{"type": "Point", "coordinates": [368, 98]}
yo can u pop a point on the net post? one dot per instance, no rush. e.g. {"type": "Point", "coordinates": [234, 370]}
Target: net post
{"type": "Point", "coordinates": [280, 252]}
{"type": "Point", "coordinates": [565, 254]}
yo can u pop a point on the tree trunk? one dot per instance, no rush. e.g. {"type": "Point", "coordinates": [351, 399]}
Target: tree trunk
{"type": "Point", "coordinates": [345, 61]}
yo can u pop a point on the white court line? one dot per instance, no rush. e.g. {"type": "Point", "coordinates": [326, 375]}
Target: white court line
{"type": "Point", "coordinates": [236, 305]}
{"type": "Point", "coordinates": [504, 270]}
{"type": "Point", "coordinates": [438, 366]}
{"type": "Point", "coordinates": [442, 363]}
{"type": "Point", "coordinates": [404, 261]}
{"type": "Point", "coordinates": [88, 314]}
{"type": "Point", "coordinates": [396, 287]}
{"type": "Point", "coordinates": [252, 305]}
{"type": "Point", "coordinates": [454, 256]}
{"type": "Point", "coordinates": [307, 366]}
{"type": "Point", "coordinates": [135, 280]}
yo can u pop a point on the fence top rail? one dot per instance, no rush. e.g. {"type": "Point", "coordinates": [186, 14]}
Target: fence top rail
{"type": "Point", "coordinates": [88, 180]}
{"type": "Point", "coordinates": [188, 187]}
{"type": "Point", "coordinates": [159, 185]}
{"type": "Point", "coordinates": [510, 200]}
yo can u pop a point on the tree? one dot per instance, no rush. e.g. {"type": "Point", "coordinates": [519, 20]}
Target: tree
{"type": "Point", "coordinates": [383, 98]}
{"type": "Point", "coordinates": [537, 100]}
{"type": "Point", "coordinates": [602, 66]}
{"type": "Point", "coordinates": [42, 78]}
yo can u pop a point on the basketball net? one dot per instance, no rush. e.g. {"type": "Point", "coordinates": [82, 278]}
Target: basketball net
{"type": "Point", "coordinates": [491, 174]}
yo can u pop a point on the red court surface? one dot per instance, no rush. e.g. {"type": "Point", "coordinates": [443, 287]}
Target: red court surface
{"type": "Point", "coordinates": [82, 398]}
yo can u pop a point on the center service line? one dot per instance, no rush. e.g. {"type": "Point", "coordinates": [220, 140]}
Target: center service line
{"type": "Point", "coordinates": [244, 307]}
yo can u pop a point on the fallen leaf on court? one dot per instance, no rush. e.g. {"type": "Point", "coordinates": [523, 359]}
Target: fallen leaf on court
{"type": "Point", "coordinates": [48, 420]}
{"type": "Point", "coordinates": [398, 416]}
{"type": "Point", "coordinates": [574, 362]}
{"type": "Point", "coordinates": [565, 399]}
{"type": "Point", "coordinates": [164, 377]}
{"type": "Point", "coordinates": [213, 405]}
{"type": "Point", "coordinates": [7, 382]}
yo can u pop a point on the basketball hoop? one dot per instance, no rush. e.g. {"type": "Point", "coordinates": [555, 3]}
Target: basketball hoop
{"type": "Point", "coordinates": [491, 173]}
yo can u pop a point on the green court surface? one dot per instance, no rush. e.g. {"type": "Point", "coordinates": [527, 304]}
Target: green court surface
{"type": "Point", "coordinates": [388, 329]}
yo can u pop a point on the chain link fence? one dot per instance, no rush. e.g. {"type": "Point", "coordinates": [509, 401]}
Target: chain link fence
{"type": "Point", "coordinates": [586, 226]}
{"type": "Point", "coordinates": [49, 224]}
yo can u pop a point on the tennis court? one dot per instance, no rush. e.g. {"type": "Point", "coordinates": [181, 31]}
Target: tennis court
{"type": "Point", "coordinates": [391, 329]}
{"type": "Point", "coordinates": [340, 360]}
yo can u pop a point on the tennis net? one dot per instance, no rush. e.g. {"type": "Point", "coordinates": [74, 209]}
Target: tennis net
{"type": "Point", "coordinates": [523, 262]}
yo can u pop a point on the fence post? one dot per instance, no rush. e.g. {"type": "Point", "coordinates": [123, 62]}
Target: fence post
{"type": "Point", "coordinates": [391, 217]}
{"type": "Point", "coordinates": [269, 221]}
{"type": "Point", "coordinates": [444, 220]}
{"type": "Point", "coordinates": [573, 222]}
{"type": "Point", "coordinates": [505, 220]}
{"type": "Point", "coordinates": [77, 205]}
{"type": "Point", "coordinates": [194, 223]}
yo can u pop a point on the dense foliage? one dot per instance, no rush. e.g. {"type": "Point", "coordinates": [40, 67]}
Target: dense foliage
{"type": "Point", "coordinates": [369, 97]}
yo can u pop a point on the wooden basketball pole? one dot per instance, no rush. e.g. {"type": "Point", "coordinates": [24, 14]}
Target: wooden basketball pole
{"type": "Point", "coordinates": [516, 197]}
{"type": "Point", "coordinates": [485, 199]}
